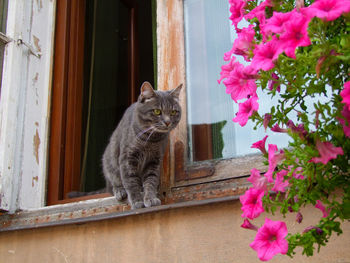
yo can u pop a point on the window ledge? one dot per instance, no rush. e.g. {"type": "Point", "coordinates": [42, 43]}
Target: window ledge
{"type": "Point", "coordinates": [87, 211]}
{"type": "Point", "coordinates": [109, 208]}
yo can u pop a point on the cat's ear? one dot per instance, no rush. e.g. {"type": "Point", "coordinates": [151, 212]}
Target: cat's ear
{"type": "Point", "coordinates": [147, 92]}
{"type": "Point", "coordinates": [176, 92]}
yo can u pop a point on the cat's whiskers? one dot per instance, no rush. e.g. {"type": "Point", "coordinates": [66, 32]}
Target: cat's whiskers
{"type": "Point", "coordinates": [152, 129]}
{"type": "Point", "coordinates": [144, 131]}
{"type": "Point", "coordinates": [149, 136]}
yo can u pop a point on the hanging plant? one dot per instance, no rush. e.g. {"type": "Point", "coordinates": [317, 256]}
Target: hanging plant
{"type": "Point", "coordinates": [299, 51]}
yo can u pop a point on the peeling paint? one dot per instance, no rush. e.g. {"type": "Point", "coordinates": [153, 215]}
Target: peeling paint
{"type": "Point", "coordinates": [34, 82]}
{"type": "Point", "coordinates": [36, 43]}
{"type": "Point", "coordinates": [39, 4]}
{"type": "Point", "coordinates": [36, 96]}
{"type": "Point", "coordinates": [35, 79]}
{"type": "Point", "coordinates": [34, 179]}
{"type": "Point", "coordinates": [36, 145]}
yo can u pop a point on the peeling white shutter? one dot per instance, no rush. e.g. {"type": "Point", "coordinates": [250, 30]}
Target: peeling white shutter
{"type": "Point", "coordinates": [24, 104]}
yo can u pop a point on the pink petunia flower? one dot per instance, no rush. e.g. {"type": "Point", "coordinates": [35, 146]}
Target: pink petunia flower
{"type": "Point", "coordinates": [320, 206]}
{"type": "Point", "coordinates": [275, 23]}
{"type": "Point", "coordinates": [244, 43]}
{"type": "Point", "coordinates": [270, 240]}
{"type": "Point", "coordinates": [260, 145]}
{"type": "Point", "coordinates": [346, 121]}
{"type": "Point", "coordinates": [245, 110]}
{"type": "Point", "coordinates": [252, 203]}
{"type": "Point", "coordinates": [258, 181]}
{"type": "Point", "coordinates": [226, 70]}
{"type": "Point", "coordinates": [295, 34]}
{"type": "Point", "coordinates": [241, 82]}
{"type": "Point", "coordinates": [237, 11]}
{"type": "Point", "coordinates": [280, 183]}
{"type": "Point", "coordinates": [259, 12]}
{"type": "Point", "coordinates": [228, 56]}
{"type": "Point", "coordinates": [327, 9]}
{"type": "Point", "coordinates": [274, 158]}
{"type": "Point", "coordinates": [327, 152]}
{"type": "Point", "coordinates": [266, 54]}
{"type": "Point", "coordinates": [345, 94]}
{"type": "Point", "coordinates": [248, 225]}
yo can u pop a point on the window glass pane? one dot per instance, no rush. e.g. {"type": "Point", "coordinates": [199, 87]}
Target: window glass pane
{"type": "Point", "coordinates": [212, 133]}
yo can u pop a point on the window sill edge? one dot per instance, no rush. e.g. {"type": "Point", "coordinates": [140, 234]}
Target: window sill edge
{"type": "Point", "coordinates": [61, 215]}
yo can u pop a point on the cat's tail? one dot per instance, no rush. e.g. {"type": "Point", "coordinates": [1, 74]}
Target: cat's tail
{"type": "Point", "coordinates": [75, 194]}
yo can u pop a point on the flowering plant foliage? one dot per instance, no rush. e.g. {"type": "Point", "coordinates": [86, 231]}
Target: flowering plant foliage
{"type": "Point", "coordinates": [298, 50]}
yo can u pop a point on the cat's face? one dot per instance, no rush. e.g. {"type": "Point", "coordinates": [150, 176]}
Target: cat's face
{"type": "Point", "coordinates": [159, 109]}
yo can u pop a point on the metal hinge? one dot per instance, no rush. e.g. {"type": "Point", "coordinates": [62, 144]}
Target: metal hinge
{"type": "Point", "coordinates": [4, 39]}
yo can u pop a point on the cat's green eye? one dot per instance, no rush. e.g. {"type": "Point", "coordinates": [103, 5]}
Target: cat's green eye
{"type": "Point", "coordinates": [157, 111]}
{"type": "Point", "coordinates": [173, 112]}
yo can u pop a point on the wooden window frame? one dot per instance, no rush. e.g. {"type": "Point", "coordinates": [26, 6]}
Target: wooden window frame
{"type": "Point", "coordinates": [183, 185]}
{"type": "Point", "coordinates": [66, 113]}
{"type": "Point", "coordinates": [182, 181]}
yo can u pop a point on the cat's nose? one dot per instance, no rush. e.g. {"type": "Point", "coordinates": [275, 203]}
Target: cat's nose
{"type": "Point", "coordinates": [166, 121]}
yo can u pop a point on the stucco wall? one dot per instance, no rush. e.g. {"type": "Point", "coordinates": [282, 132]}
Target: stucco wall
{"type": "Point", "coordinates": [209, 233]}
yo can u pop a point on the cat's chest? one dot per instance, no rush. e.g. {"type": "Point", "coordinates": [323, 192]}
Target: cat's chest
{"type": "Point", "coordinates": [144, 155]}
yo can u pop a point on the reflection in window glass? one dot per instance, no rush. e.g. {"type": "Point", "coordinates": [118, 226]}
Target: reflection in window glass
{"type": "Point", "coordinates": [212, 134]}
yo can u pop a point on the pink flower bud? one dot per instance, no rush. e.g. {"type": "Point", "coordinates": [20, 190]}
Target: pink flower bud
{"type": "Point", "coordinates": [274, 82]}
{"type": "Point", "coordinates": [267, 119]}
{"type": "Point", "coordinates": [277, 128]}
{"type": "Point", "coordinates": [296, 199]}
{"type": "Point", "coordinates": [260, 145]}
{"type": "Point", "coordinates": [248, 225]}
{"type": "Point", "coordinates": [317, 120]}
{"type": "Point", "coordinates": [299, 217]}
{"type": "Point", "coordinates": [319, 231]}
{"type": "Point", "coordinates": [320, 206]}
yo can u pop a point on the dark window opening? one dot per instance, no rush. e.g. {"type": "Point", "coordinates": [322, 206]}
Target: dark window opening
{"type": "Point", "coordinates": [108, 52]}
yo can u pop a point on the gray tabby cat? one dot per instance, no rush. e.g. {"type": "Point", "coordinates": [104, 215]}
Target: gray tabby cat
{"type": "Point", "coordinates": [132, 159]}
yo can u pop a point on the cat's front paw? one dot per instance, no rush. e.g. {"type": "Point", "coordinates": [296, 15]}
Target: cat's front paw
{"type": "Point", "coordinates": [120, 193]}
{"type": "Point", "coordinates": [151, 201]}
{"type": "Point", "coordinates": [137, 205]}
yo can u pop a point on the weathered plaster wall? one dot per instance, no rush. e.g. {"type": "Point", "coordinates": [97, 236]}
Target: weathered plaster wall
{"type": "Point", "coordinates": [209, 233]}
